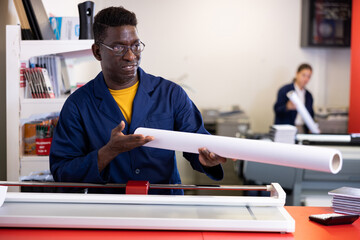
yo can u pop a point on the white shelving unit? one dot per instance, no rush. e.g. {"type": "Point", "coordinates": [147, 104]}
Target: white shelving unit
{"type": "Point", "coordinates": [33, 106]}
{"type": "Point", "coordinates": [18, 108]}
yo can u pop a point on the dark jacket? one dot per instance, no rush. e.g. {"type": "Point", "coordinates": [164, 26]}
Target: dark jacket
{"type": "Point", "coordinates": [89, 115]}
{"type": "Point", "coordinates": [284, 116]}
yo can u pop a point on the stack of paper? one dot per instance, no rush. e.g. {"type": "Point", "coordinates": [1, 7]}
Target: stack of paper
{"type": "Point", "coordinates": [283, 133]}
{"type": "Point", "coordinates": [346, 200]}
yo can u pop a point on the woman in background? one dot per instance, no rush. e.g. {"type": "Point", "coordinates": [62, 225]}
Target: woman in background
{"type": "Point", "coordinates": [285, 110]}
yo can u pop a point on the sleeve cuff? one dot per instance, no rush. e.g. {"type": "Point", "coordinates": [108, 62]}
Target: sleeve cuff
{"type": "Point", "coordinates": [215, 173]}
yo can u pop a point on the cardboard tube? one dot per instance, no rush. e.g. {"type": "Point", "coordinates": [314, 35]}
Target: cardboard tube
{"type": "Point", "coordinates": [290, 155]}
{"type": "Point", "coordinates": [294, 98]}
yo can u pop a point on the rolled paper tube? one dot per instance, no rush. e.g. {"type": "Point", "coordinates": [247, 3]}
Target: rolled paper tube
{"type": "Point", "coordinates": [331, 138]}
{"type": "Point", "coordinates": [289, 155]}
{"type": "Point", "coordinates": [294, 98]}
{"type": "Point", "coordinates": [3, 190]}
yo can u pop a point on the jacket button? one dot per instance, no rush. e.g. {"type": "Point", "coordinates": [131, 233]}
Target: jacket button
{"type": "Point", "coordinates": [137, 171]}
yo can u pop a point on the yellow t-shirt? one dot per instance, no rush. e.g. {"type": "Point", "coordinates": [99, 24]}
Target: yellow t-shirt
{"type": "Point", "coordinates": [124, 99]}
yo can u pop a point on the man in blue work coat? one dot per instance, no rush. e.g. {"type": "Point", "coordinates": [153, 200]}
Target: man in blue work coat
{"type": "Point", "coordinates": [94, 140]}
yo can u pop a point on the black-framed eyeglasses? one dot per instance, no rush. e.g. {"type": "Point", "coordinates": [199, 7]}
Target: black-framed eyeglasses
{"type": "Point", "coordinates": [121, 50]}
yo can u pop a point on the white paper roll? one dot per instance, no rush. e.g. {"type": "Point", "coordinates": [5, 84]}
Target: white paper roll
{"type": "Point", "coordinates": [3, 190]}
{"type": "Point", "coordinates": [331, 138]}
{"type": "Point", "coordinates": [290, 155]}
{"type": "Point", "coordinates": [294, 98]}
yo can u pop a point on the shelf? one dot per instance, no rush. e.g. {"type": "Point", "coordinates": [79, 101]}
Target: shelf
{"type": "Point", "coordinates": [18, 109]}
{"type": "Point", "coordinates": [68, 48]}
{"type": "Point", "coordinates": [30, 164]}
{"type": "Point", "coordinates": [34, 158]}
{"type": "Point", "coordinates": [33, 106]}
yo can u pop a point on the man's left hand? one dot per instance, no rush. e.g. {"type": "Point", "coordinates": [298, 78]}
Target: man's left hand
{"type": "Point", "coordinates": [209, 159]}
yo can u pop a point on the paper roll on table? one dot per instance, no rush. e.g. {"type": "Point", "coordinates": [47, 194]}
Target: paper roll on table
{"type": "Point", "coordinates": [294, 98]}
{"type": "Point", "coordinates": [290, 155]}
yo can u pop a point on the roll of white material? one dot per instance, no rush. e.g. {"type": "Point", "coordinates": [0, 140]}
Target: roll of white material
{"type": "Point", "coordinates": [290, 155]}
{"type": "Point", "coordinates": [3, 190]}
{"type": "Point", "coordinates": [294, 98]}
{"type": "Point", "coordinates": [331, 138]}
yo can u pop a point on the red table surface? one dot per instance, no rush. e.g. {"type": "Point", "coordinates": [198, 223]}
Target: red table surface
{"type": "Point", "coordinates": [304, 229]}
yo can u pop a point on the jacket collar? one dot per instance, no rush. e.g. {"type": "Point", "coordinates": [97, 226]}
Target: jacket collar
{"type": "Point", "coordinates": [142, 101]}
{"type": "Point", "coordinates": [106, 103]}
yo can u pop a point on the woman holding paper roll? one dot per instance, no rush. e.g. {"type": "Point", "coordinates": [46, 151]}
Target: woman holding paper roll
{"type": "Point", "coordinates": [285, 110]}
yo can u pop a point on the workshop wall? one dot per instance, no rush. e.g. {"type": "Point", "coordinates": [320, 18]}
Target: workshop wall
{"type": "Point", "coordinates": [229, 52]}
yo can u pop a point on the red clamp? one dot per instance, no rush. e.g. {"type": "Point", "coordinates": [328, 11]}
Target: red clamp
{"type": "Point", "coordinates": [137, 187]}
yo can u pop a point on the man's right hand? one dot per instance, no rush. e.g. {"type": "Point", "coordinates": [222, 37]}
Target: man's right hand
{"type": "Point", "coordinates": [119, 143]}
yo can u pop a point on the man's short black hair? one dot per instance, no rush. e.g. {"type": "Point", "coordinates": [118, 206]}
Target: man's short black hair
{"type": "Point", "coordinates": [111, 17]}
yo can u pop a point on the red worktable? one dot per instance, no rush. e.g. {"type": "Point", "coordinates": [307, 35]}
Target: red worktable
{"type": "Point", "coordinates": [304, 229]}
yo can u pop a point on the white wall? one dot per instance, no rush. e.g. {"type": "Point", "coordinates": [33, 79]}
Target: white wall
{"type": "Point", "coordinates": [230, 51]}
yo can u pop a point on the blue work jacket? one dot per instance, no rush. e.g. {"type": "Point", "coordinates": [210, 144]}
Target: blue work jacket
{"type": "Point", "coordinates": [89, 115]}
{"type": "Point", "coordinates": [284, 116]}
